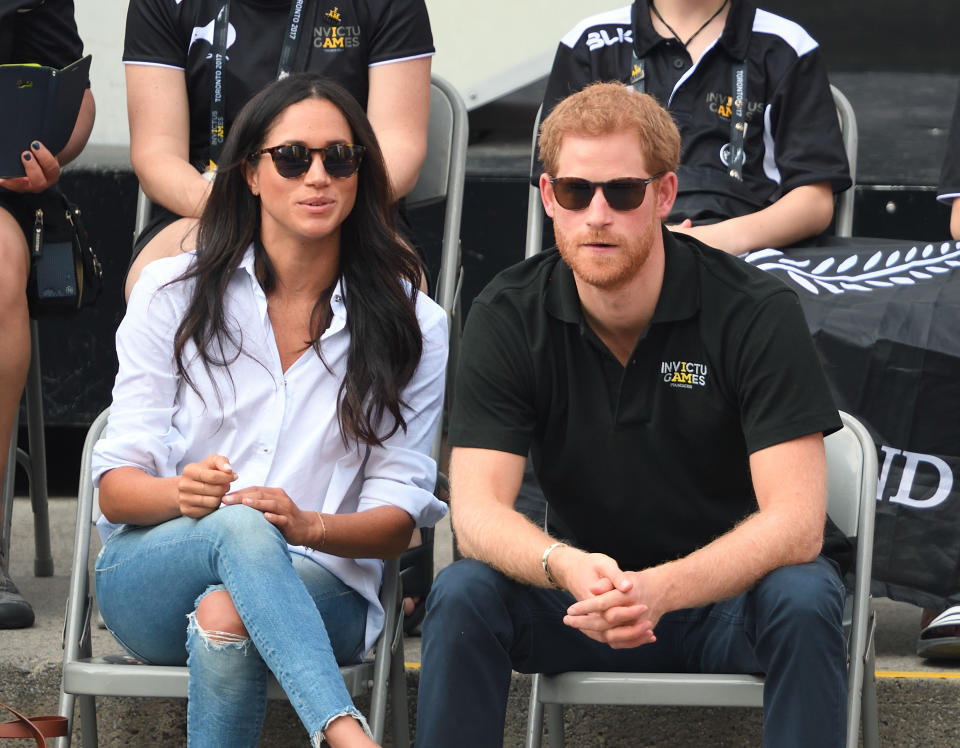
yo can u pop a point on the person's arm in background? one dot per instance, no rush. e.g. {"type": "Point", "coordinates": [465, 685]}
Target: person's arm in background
{"type": "Point", "coordinates": [803, 212]}
{"type": "Point", "coordinates": [398, 107]}
{"type": "Point", "coordinates": [158, 111]}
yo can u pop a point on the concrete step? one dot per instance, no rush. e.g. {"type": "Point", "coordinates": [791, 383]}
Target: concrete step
{"type": "Point", "coordinates": [917, 699]}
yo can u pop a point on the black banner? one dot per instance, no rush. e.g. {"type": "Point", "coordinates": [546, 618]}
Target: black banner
{"type": "Point", "coordinates": [886, 322]}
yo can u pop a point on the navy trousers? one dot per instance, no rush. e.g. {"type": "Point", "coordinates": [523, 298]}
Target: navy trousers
{"type": "Point", "coordinates": [480, 625]}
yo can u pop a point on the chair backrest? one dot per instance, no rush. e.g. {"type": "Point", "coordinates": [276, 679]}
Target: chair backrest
{"type": "Point", "coordinates": [848, 127]}
{"type": "Point", "coordinates": [443, 176]}
{"type": "Point", "coordinates": [843, 225]}
{"type": "Point", "coordinates": [851, 474]}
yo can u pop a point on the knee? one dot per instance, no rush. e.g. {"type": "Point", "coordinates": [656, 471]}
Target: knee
{"type": "Point", "coordinates": [217, 618]}
{"type": "Point", "coordinates": [246, 526]}
{"type": "Point", "coordinates": [465, 591]}
{"type": "Point", "coordinates": [804, 597]}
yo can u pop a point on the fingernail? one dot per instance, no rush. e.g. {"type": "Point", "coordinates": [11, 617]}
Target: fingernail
{"type": "Point", "coordinates": [227, 466]}
{"type": "Point", "coordinates": [35, 145]}
{"type": "Point", "coordinates": [27, 156]}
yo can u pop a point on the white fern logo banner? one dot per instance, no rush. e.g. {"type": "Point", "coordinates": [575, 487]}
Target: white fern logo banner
{"type": "Point", "coordinates": [862, 271]}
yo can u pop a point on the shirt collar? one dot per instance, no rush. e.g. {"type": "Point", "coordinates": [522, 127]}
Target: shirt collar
{"type": "Point", "coordinates": [734, 39]}
{"type": "Point", "coordinates": [679, 294]}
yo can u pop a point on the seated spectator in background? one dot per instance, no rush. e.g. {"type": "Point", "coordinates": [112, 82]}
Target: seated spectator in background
{"type": "Point", "coordinates": [378, 50]}
{"type": "Point", "coordinates": [674, 406]}
{"type": "Point", "coordinates": [688, 55]}
{"type": "Point", "coordinates": [44, 33]}
{"type": "Point", "coordinates": [278, 394]}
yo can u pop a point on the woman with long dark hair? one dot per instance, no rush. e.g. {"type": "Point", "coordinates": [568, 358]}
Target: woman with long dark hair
{"type": "Point", "coordinates": [268, 441]}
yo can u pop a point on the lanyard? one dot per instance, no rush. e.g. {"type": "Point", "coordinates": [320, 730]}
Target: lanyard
{"type": "Point", "coordinates": [738, 109]}
{"type": "Point", "coordinates": [289, 61]}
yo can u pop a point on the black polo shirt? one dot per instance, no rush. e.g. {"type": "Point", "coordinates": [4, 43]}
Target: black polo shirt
{"type": "Point", "coordinates": [792, 139]}
{"type": "Point", "coordinates": [346, 38]}
{"type": "Point", "coordinates": [649, 462]}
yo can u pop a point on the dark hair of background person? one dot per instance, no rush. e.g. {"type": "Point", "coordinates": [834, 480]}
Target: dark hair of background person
{"type": "Point", "coordinates": [385, 337]}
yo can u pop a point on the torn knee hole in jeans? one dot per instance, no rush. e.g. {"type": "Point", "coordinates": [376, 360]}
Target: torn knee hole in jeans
{"type": "Point", "coordinates": [213, 639]}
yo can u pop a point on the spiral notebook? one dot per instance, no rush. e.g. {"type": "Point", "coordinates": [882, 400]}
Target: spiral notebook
{"type": "Point", "coordinates": [38, 103]}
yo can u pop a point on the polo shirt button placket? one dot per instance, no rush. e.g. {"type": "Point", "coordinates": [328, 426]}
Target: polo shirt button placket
{"type": "Point", "coordinates": [678, 63]}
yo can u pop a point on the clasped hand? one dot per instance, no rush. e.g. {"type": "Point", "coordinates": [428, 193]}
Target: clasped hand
{"type": "Point", "coordinates": [613, 606]}
{"type": "Point", "coordinates": [204, 485]}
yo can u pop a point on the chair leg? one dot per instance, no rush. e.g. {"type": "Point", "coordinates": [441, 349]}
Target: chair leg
{"type": "Point", "coordinates": [67, 701]}
{"type": "Point", "coordinates": [88, 722]}
{"type": "Point", "coordinates": [869, 714]}
{"type": "Point", "coordinates": [555, 725]}
{"type": "Point", "coordinates": [398, 698]}
{"type": "Point", "coordinates": [9, 477]}
{"type": "Point", "coordinates": [43, 561]}
{"type": "Point", "coordinates": [534, 714]}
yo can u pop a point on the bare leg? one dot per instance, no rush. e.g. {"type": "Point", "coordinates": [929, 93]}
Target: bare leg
{"type": "Point", "coordinates": [179, 236]}
{"type": "Point", "coordinates": [15, 612]}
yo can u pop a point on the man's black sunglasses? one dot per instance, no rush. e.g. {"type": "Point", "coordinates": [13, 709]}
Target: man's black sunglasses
{"type": "Point", "coordinates": [291, 161]}
{"type": "Point", "coordinates": [627, 193]}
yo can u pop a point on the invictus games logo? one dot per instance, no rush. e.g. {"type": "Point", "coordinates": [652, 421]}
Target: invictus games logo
{"type": "Point", "coordinates": [722, 106]}
{"type": "Point", "coordinates": [684, 374]}
{"type": "Point", "coordinates": [337, 36]}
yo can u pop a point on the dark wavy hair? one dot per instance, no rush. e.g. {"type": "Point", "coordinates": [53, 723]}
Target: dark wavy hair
{"type": "Point", "coordinates": [385, 337]}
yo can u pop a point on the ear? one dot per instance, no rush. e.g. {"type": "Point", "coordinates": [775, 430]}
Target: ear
{"type": "Point", "coordinates": [546, 194]}
{"type": "Point", "coordinates": [252, 174]}
{"type": "Point", "coordinates": [666, 194]}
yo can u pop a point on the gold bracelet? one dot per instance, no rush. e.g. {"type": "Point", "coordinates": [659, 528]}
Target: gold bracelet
{"type": "Point", "coordinates": [323, 526]}
{"type": "Point", "coordinates": [546, 569]}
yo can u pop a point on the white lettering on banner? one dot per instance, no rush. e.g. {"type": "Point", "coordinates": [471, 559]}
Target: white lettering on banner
{"type": "Point", "coordinates": [908, 475]}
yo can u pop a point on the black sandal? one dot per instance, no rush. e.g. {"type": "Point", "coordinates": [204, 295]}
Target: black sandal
{"type": "Point", "coordinates": [416, 575]}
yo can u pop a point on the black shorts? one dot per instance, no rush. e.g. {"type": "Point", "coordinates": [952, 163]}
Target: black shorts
{"type": "Point", "coordinates": [160, 218]}
{"type": "Point", "coordinates": [23, 207]}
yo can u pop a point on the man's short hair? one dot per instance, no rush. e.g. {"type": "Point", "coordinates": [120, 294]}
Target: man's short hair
{"type": "Point", "coordinates": [605, 108]}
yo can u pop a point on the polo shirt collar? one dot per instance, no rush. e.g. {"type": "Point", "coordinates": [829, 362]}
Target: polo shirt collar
{"type": "Point", "coordinates": [734, 39]}
{"type": "Point", "coordinates": [679, 295]}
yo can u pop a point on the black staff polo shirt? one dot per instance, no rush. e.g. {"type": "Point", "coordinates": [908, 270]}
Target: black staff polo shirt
{"type": "Point", "coordinates": [792, 139]}
{"type": "Point", "coordinates": [650, 461]}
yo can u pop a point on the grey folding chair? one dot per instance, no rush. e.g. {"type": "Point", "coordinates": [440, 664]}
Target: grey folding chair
{"type": "Point", "coordinates": [843, 224]}
{"type": "Point", "coordinates": [86, 676]}
{"type": "Point", "coordinates": [851, 499]}
{"type": "Point", "coordinates": [34, 462]}
{"type": "Point", "coordinates": [442, 177]}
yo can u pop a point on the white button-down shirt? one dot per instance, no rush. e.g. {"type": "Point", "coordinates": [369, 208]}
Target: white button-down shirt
{"type": "Point", "coordinates": [278, 428]}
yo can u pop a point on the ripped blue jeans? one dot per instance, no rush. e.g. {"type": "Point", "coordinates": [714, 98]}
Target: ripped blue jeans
{"type": "Point", "coordinates": [301, 620]}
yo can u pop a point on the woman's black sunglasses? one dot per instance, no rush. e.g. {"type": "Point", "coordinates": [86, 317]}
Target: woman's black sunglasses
{"type": "Point", "coordinates": [291, 161]}
{"type": "Point", "coordinates": [574, 193]}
